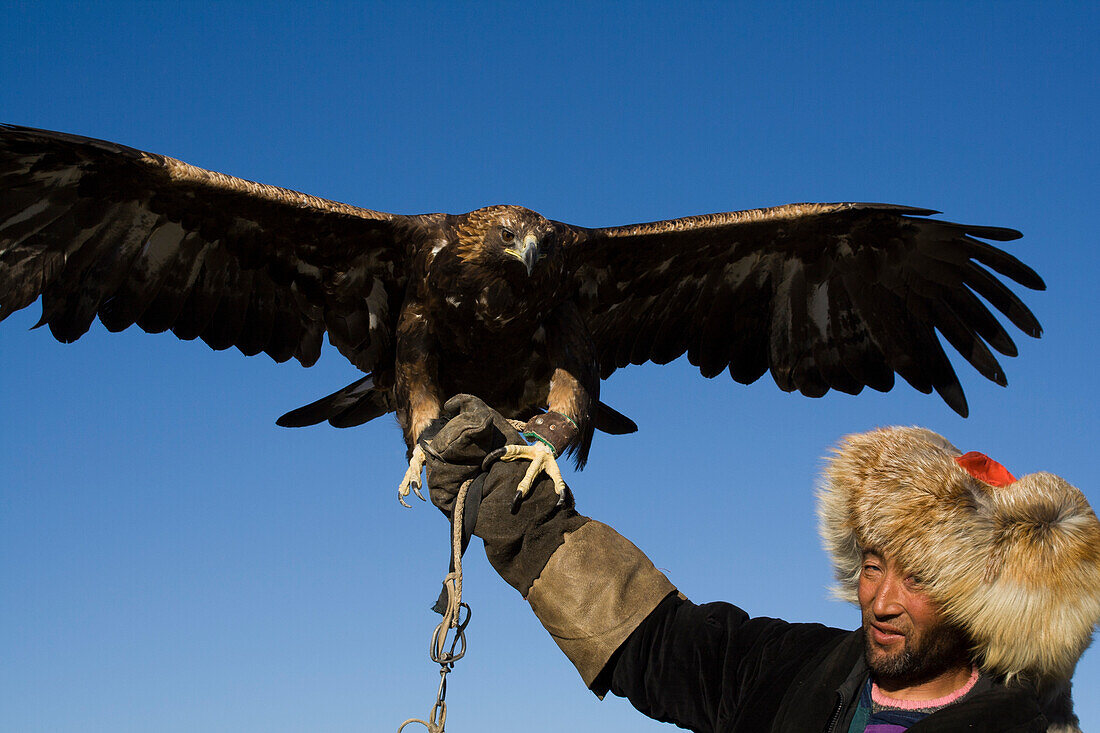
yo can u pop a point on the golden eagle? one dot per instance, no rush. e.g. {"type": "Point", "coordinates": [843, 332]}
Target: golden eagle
{"type": "Point", "coordinates": [527, 313]}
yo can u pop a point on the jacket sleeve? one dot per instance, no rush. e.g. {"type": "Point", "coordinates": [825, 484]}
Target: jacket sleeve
{"type": "Point", "coordinates": [626, 629]}
{"type": "Point", "coordinates": [711, 667]}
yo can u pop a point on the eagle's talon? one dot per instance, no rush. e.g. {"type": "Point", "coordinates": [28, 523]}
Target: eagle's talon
{"type": "Point", "coordinates": [542, 461]}
{"type": "Point", "coordinates": [411, 481]}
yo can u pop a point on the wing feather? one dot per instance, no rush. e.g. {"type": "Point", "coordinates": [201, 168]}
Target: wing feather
{"type": "Point", "coordinates": [225, 327]}
{"type": "Point", "coordinates": [984, 323]}
{"type": "Point", "coordinates": [161, 252]}
{"type": "Point", "coordinates": [202, 292]}
{"type": "Point", "coordinates": [966, 341]}
{"type": "Point", "coordinates": [860, 356]}
{"type": "Point", "coordinates": [259, 317]}
{"type": "Point", "coordinates": [824, 296]}
{"type": "Point", "coordinates": [829, 352]}
{"type": "Point", "coordinates": [748, 310]}
{"type": "Point", "coordinates": [661, 312]}
{"type": "Point", "coordinates": [671, 338]}
{"type": "Point", "coordinates": [1003, 299]}
{"type": "Point", "coordinates": [72, 299]}
{"type": "Point", "coordinates": [711, 347]}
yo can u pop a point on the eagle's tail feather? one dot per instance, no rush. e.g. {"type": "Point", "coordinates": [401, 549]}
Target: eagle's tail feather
{"type": "Point", "coordinates": [353, 405]}
{"type": "Point", "coordinates": [613, 422]}
{"type": "Point", "coordinates": [606, 420]}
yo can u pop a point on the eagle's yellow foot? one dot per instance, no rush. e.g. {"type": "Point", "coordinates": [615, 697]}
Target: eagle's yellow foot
{"type": "Point", "coordinates": [412, 477]}
{"type": "Point", "coordinates": [542, 461]}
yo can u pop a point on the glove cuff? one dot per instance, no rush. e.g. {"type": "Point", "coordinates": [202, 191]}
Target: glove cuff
{"type": "Point", "coordinates": [595, 590]}
{"type": "Point", "coordinates": [552, 428]}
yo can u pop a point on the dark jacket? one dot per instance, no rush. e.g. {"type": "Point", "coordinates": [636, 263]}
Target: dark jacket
{"type": "Point", "coordinates": [713, 668]}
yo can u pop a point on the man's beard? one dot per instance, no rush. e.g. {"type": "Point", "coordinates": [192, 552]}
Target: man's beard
{"type": "Point", "coordinates": [925, 657]}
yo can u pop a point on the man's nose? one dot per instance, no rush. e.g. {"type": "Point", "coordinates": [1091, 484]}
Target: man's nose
{"type": "Point", "coordinates": [888, 596]}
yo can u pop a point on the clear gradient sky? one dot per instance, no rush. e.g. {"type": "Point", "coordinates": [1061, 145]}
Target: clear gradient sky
{"type": "Point", "coordinates": [173, 561]}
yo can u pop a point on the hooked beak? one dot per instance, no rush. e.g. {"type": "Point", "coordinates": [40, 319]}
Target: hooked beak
{"type": "Point", "coordinates": [527, 252]}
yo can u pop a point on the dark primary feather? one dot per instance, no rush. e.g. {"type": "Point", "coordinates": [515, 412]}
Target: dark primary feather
{"type": "Point", "coordinates": [824, 296]}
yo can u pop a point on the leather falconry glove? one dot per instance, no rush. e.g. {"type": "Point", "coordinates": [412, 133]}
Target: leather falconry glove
{"type": "Point", "coordinates": [517, 545]}
{"type": "Point", "coordinates": [589, 586]}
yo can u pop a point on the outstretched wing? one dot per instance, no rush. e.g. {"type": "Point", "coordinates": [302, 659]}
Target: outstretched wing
{"type": "Point", "coordinates": [825, 296]}
{"type": "Point", "coordinates": [97, 228]}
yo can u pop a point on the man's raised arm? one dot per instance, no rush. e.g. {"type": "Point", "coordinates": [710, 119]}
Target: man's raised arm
{"type": "Point", "coordinates": [618, 619]}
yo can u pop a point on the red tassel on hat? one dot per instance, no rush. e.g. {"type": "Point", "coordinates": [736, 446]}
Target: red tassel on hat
{"type": "Point", "coordinates": [984, 468]}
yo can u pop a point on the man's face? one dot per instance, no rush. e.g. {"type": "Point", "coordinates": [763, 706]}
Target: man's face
{"type": "Point", "coordinates": [906, 639]}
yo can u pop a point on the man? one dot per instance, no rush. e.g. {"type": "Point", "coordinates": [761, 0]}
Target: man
{"type": "Point", "coordinates": [978, 594]}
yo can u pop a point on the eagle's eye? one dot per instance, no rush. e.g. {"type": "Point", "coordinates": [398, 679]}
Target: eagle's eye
{"type": "Point", "coordinates": [507, 235]}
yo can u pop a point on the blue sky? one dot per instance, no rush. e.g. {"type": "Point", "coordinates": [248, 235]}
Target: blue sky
{"type": "Point", "coordinates": [173, 561]}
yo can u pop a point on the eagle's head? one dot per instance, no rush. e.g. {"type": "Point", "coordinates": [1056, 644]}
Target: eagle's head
{"type": "Point", "coordinates": [511, 240]}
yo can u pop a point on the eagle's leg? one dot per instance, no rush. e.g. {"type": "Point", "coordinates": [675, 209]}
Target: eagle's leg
{"type": "Point", "coordinates": [417, 394]}
{"type": "Point", "coordinates": [412, 477]}
{"type": "Point", "coordinates": [416, 391]}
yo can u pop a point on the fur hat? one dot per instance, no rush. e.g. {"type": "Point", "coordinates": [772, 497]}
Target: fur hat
{"type": "Point", "coordinates": [1016, 563]}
